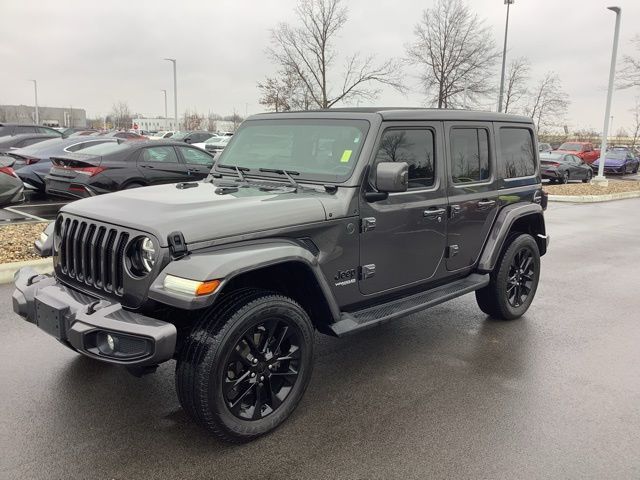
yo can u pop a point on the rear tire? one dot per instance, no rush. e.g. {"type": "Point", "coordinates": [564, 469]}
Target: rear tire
{"type": "Point", "coordinates": [514, 280]}
{"type": "Point", "coordinates": [244, 368]}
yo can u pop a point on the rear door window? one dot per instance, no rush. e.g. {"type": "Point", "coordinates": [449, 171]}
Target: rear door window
{"type": "Point", "coordinates": [159, 155]}
{"type": "Point", "coordinates": [469, 155]}
{"type": "Point", "coordinates": [24, 129]}
{"type": "Point", "coordinates": [516, 155]}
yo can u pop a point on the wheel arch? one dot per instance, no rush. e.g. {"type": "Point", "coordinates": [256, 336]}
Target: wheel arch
{"type": "Point", "coordinates": [527, 219]}
{"type": "Point", "coordinates": [279, 266]}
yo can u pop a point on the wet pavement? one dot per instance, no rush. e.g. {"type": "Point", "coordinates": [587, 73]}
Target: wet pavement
{"type": "Point", "coordinates": [36, 208]}
{"type": "Point", "coordinates": [445, 393]}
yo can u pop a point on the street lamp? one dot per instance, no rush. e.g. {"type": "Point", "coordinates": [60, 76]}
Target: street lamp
{"type": "Point", "coordinates": [35, 90]}
{"type": "Point", "coordinates": [165, 108]}
{"type": "Point", "coordinates": [508, 3]}
{"type": "Point", "coordinates": [600, 178]}
{"type": "Point", "coordinates": [175, 91]}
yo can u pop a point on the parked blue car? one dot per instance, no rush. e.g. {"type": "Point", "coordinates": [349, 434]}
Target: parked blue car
{"type": "Point", "coordinates": [33, 163]}
{"type": "Point", "coordinates": [618, 162]}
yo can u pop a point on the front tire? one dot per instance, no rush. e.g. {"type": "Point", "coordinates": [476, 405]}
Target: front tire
{"type": "Point", "coordinates": [565, 178]}
{"type": "Point", "coordinates": [514, 280]}
{"type": "Point", "coordinates": [244, 368]}
{"type": "Point", "coordinates": [589, 177]}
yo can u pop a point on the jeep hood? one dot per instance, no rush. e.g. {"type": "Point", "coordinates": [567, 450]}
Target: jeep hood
{"type": "Point", "coordinates": [201, 213]}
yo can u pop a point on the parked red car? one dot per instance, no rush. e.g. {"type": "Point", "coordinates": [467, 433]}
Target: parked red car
{"type": "Point", "coordinates": [584, 150]}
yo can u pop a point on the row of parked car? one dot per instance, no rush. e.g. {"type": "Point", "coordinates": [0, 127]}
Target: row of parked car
{"type": "Point", "coordinates": [580, 160]}
{"type": "Point", "coordinates": [86, 163]}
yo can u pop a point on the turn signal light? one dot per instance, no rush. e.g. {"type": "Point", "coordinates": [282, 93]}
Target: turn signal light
{"type": "Point", "coordinates": [190, 287]}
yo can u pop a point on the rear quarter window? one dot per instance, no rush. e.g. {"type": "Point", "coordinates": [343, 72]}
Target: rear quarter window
{"type": "Point", "coordinates": [516, 153]}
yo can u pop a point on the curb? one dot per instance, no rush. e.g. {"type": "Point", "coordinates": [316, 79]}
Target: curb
{"type": "Point", "coordinates": [593, 198]}
{"type": "Point", "coordinates": [8, 270]}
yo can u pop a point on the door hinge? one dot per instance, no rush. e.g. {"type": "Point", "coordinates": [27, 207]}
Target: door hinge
{"type": "Point", "coordinates": [368, 224]}
{"type": "Point", "coordinates": [367, 271]}
{"type": "Point", "coordinates": [452, 251]}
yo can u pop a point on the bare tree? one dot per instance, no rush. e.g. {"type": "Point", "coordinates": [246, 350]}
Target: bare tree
{"type": "Point", "coordinates": [307, 51]}
{"type": "Point", "coordinates": [629, 75]}
{"type": "Point", "coordinates": [285, 92]}
{"type": "Point", "coordinates": [192, 120]}
{"type": "Point", "coordinates": [212, 121]}
{"type": "Point", "coordinates": [455, 51]}
{"type": "Point", "coordinates": [548, 102]}
{"type": "Point", "coordinates": [635, 128]}
{"type": "Point", "coordinates": [121, 116]}
{"type": "Point", "coordinates": [517, 77]}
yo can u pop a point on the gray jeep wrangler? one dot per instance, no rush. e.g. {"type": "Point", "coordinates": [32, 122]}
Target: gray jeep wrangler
{"type": "Point", "coordinates": [333, 221]}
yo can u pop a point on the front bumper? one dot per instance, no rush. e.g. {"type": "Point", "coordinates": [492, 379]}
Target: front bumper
{"type": "Point", "coordinates": [82, 322]}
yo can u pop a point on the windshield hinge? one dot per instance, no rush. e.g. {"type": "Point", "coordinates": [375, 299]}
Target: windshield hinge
{"type": "Point", "coordinates": [177, 245]}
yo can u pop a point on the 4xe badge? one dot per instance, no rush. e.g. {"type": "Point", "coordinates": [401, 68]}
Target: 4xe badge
{"type": "Point", "coordinates": [345, 277]}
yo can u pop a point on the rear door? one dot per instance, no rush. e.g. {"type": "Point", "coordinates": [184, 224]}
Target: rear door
{"type": "Point", "coordinates": [473, 196]}
{"type": "Point", "coordinates": [161, 164]}
{"type": "Point", "coordinates": [198, 163]}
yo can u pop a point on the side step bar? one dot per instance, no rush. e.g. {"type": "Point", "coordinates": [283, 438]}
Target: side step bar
{"type": "Point", "coordinates": [359, 320]}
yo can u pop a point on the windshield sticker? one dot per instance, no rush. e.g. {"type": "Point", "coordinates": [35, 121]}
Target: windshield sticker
{"type": "Point", "coordinates": [357, 140]}
{"type": "Point", "coordinates": [346, 155]}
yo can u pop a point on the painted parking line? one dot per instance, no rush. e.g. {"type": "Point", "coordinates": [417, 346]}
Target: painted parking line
{"type": "Point", "coordinates": [23, 214]}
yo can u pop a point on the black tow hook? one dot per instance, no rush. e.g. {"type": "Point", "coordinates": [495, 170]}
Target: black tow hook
{"type": "Point", "coordinates": [93, 307]}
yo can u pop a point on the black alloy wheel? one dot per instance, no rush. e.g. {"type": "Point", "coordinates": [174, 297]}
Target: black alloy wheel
{"type": "Point", "coordinates": [513, 281]}
{"type": "Point", "coordinates": [262, 369]}
{"type": "Point", "coordinates": [521, 275]}
{"type": "Point", "coordinates": [588, 177]}
{"type": "Point", "coordinates": [244, 367]}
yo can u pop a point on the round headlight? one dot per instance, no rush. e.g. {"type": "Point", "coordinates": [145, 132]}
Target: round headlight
{"type": "Point", "coordinates": [147, 254]}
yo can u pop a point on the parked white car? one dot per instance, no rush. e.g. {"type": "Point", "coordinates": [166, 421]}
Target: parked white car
{"type": "Point", "coordinates": [214, 145]}
{"type": "Point", "coordinates": [161, 135]}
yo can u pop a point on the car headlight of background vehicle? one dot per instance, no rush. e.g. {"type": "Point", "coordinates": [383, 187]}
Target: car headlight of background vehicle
{"type": "Point", "coordinates": [142, 255]}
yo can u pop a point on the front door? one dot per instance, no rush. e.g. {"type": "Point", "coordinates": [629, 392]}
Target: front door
{"type": "Point", "coordinates": [473, 198]}
{"type": "Point", "coordinates": [160, 164]}
{"type": "Point", "coordinates": [198, 162]}
{"type": "Point", "coordinates": [403, 238]}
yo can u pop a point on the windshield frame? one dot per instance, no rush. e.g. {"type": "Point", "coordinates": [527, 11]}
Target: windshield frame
{"type": "Point", "coordinates": [363, 124]}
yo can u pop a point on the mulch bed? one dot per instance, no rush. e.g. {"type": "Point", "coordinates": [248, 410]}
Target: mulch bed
{"type": "Point", "coordinates": [16, 241]}
{"type": "Point", "coordinates": [615, 186]}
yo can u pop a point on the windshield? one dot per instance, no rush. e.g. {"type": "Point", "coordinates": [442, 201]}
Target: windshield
{"type": "Point", "coordinates": [217, 140]}
{"type": "Point", "coordinates": [179, 135]}
{"type": "Point", "coordinates": [616, 155]}
{"type": "Point", "coordinates": [105, 148]}
{"type": "Point", "coordinates": [574, 147]}
{"type": "Point", "coordinates": [319, 150]}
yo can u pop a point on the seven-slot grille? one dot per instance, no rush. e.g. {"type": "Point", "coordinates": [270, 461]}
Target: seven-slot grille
{"type": "Point", "coordinates": [92, 254]}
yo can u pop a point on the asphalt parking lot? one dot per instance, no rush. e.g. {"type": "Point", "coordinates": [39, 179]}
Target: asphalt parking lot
{"type": "Point", "coordinates": [36, 208]}
{"type": "Point", "coordinates": [445, 393]}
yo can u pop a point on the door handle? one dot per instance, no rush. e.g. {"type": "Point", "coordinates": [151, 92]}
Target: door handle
{"type": "Point", "coordinates": [484, 204]}
{"type": "Point", "coordinates": [433, 213]}
{"type": "Point", "coordinates": [147, 166]}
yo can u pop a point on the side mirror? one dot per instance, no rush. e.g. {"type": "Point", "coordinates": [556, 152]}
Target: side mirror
{"type": "Point", "coordinates": [392, 177]}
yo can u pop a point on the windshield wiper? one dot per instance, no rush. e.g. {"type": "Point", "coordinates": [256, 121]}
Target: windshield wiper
{"type": "Point", "coordinates": [238, 170]}
{"type": "Point", "coordinates": [286, 173]}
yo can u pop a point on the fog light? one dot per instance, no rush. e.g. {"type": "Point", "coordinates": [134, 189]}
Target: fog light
{"type": "Point", "coordinates": [111, 342]}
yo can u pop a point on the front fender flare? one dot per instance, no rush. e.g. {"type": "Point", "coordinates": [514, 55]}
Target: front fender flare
{"type": "Point", "coordinates": [229, 262]}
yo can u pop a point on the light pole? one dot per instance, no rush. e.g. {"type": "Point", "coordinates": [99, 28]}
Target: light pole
{"type": "Point", "coordinates": [508, 3]}
{"type": "Point", "coordinates": [175, 92]}
{"type": "Point", "coordinates": [165, 108]}
{"type": "Point", "coordinates": [35, 91]}
{"type": "Point", "coordinates": [611, 126]}
{"type": "Point", "coordinates": [600, 178]}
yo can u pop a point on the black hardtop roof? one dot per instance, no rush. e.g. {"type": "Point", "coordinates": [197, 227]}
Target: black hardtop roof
{"type": "Point", "coordinates": [400, 113]}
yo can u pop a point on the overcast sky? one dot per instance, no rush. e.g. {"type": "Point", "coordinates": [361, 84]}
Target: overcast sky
{"type": "Point", "coordinates": [90, 54]}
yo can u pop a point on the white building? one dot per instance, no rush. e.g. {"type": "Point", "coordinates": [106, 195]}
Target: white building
{"type": "Point", "coordinates": [154, 124]}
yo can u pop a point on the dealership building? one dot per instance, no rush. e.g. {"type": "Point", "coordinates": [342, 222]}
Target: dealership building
{"type": "Point", "coordinates": [49, 116]}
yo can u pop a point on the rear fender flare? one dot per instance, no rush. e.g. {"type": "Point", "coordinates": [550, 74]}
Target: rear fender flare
{"type": "Point", "coordinates": [229, 262]}
{"type": "Point", "coordinates": [502, 227]}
